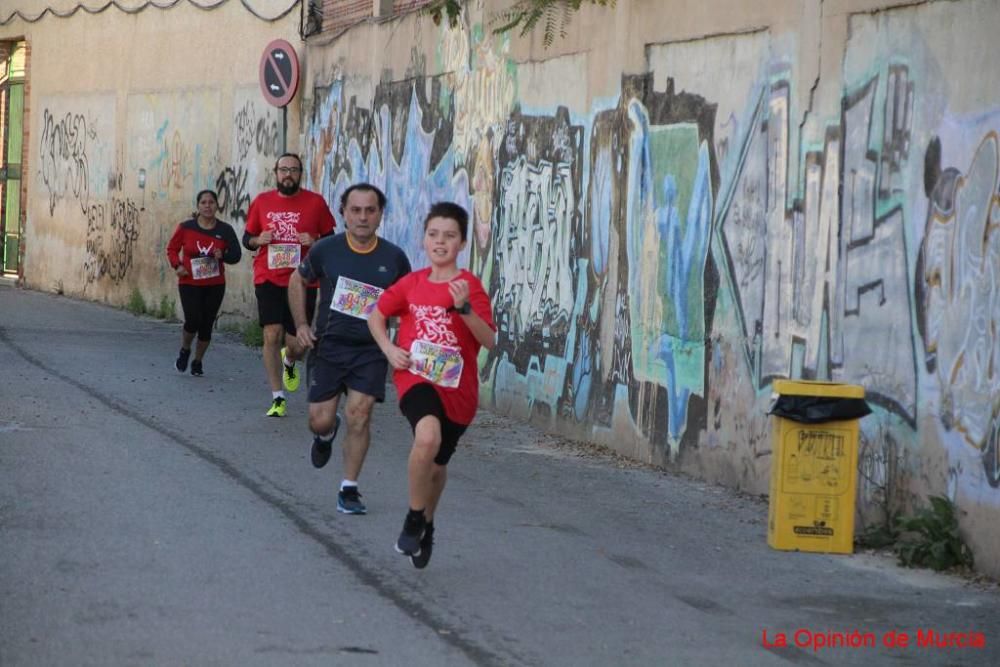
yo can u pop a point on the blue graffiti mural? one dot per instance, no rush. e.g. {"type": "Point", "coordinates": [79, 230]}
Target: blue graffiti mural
{"type": "Point", "coordinates": [411, 180]}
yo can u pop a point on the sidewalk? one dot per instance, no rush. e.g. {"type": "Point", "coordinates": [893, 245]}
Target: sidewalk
{"type": "Point", "coordinates": [549, 552]}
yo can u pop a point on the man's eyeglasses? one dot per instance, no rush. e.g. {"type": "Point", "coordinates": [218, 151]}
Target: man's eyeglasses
{"type": "Point", "coordinates": [289, 170]}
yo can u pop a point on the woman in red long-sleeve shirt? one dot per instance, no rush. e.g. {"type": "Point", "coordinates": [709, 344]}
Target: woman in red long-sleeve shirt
{"type": "Point", "coordinates": [197, 252]}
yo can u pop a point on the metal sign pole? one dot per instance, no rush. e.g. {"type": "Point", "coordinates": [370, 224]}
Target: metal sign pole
{"type": "Point", "coordinates": [284, 129]}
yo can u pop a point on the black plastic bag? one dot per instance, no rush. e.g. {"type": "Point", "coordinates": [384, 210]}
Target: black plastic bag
{"type": "Point", "coordinates": [818, 409]}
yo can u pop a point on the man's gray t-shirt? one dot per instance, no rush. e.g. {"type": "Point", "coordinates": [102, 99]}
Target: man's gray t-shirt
{"type": "Point", "coordinates": [350, 284]}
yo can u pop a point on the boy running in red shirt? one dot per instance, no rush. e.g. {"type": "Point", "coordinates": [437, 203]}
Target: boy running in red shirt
{"type": "Point", "coordinates": [445, 316]}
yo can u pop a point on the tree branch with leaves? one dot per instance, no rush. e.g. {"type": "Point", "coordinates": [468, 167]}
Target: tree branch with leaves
{"type": "Point", "coordinates": [553, 15]}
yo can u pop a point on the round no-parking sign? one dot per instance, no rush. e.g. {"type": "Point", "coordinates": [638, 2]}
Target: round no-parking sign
{"type": "Point", "coordinates": [279, 73]}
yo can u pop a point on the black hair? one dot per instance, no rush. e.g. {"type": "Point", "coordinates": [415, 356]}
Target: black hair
{"type": "Point", "coordinates": [452, 211]}
{"type": "Point", "coordinates": [214, 194]}
{"type": "Point", "coordinates": [284, 155]}
{"type": "Point", "coordinates": [363, 187]}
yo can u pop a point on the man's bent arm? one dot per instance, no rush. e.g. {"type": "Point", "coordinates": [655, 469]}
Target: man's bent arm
{"type": "Point", "coordinates": [377, 325]}
{"type": "Point", "coordinates": [297, 299]}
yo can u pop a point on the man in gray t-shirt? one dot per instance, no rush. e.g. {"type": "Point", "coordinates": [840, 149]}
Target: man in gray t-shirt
{"type": "Point", "coordinates": [353, 269]}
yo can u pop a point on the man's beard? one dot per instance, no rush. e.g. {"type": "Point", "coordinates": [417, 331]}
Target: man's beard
{"type": "Point", "coordinates": [288, 190]}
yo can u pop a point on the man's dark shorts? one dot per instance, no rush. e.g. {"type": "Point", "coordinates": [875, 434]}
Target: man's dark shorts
{"type": "Point", "coordinates": [272, 306]}
{"type": "Point", "coordinates": [336, 367]}
{"type": "Point", "coordinates": [422, 400]}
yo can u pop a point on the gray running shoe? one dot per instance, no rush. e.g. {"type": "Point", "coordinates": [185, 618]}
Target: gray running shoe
{"type": "Point", "coordinates": [408, 543]}
{"type": "Point", "coordinates": [349, 501]}
{"type": "Point", "coordinates": [421, 559]}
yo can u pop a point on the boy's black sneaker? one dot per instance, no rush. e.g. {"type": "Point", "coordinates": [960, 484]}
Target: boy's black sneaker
{"type": "Point", "coordinates": [182, 360]}
{"type": "Point", "coordinates": [196, 368]}
{"type": "Point", "coordinates": [322, 449]}
{"type": "Point", "coordinates": [408, 543]}
{"type": "Point", "coordinates": [421, 559]}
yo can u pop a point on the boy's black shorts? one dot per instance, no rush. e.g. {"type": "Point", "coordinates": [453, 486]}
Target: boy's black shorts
{"type": "Point", "coordinates": [272, 306]}
{"type": "Point", "coordinates": [422, 400]}
{"type": "Point", "coordinates": [334, 368]}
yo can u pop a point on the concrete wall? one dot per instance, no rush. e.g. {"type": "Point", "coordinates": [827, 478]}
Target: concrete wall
{"type": "Point", "coordinates": [171, 92]}
{"type": "Point", "coordinates": [681, 201]}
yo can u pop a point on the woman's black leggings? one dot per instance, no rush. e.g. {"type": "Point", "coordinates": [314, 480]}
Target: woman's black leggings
{"type": "Point", "coordinates": [201, 307]}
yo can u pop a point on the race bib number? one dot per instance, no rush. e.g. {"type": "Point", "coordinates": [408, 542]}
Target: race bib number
{"type": "Point", "coordinates": [203, 268]}
{"type": "Point", "coordinates": [283, 255]}
{"type": "Point", "coordinates": [440, 364]}
{"type": "Point", "coordinates": [355, 298]}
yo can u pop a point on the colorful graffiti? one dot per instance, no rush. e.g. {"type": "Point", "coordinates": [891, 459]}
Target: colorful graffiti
{"type": "Point", "coordinates": [667, 235]}
{"type": "Point", "coordinates": [536, 223]}
{"type": "Point", "coordinates": [815, 276]}
{"type": "Point", "coordinates": [542, 250]}
{"type": "Point", "coordinates": [398, 143]}
{"type": "Point", "coordinates": [173, 162]}
{"type": "Point", "coordinates": [958, 288]}
{"type": "Point", "coordinates": [640, 249]}
{"type": "Point", "coordinates": [174, 137]}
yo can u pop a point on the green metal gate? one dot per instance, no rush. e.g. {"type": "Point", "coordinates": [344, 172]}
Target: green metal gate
{"type": "Point", "coordinates": [11, 138]}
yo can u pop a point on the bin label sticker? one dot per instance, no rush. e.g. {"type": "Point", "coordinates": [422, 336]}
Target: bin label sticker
{"type": "Point", "coordinates": [823, 515]}
{"type": "Point", "coordinates": [816, 461]}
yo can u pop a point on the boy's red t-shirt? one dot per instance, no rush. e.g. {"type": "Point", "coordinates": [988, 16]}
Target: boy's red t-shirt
{"type": "Point", "coordinates": [285, 218]}
{"type": "Point", "coordinates": [422, 307]}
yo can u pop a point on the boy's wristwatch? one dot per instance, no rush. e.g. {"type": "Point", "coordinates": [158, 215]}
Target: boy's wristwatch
{"type": "Point", "coordinates": [465, 309]}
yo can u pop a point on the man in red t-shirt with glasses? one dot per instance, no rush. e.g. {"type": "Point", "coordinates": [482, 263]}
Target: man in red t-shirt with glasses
{"type": "Point", "coordinates": [282, 225]}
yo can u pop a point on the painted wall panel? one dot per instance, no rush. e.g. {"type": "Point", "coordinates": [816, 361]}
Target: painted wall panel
{"type": "Point", "coordinates": [188, 118]}
{"type": "Point", "coordinates": [660, 253]}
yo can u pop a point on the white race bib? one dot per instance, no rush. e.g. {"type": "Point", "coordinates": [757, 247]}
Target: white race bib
{"type": "Point", "coordinates": [283, 255]}
{"type": "Point", "coordinates": [355, 298]}
{"type": "Point", "coordinates": [440, 364]}
{"type": "Point", "coordinates": [203, 268]}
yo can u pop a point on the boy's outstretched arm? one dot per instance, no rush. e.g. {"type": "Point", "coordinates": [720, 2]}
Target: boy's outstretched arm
{"type": "Point", "coordinates": [397, 356]}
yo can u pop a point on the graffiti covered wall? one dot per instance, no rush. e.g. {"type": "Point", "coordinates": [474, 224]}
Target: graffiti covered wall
{"type": "Point", "coordinates": [111, 173]}
{"type": "Point", "coordinates": [78, 180]}
{"type": "Point", "coordinates": [730, 212]}
{"type": "Point", "coordinates": [257, 142]}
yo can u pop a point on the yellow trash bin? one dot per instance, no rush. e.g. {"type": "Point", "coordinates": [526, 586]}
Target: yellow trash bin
{"type": "Point", "coordinates": [814, 465]}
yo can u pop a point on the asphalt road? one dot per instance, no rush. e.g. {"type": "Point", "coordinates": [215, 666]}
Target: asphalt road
{"type": "Point", "coordinates": [152, 518]}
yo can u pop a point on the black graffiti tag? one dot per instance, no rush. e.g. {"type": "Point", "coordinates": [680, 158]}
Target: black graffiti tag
{"type": "Point", "coordinates": [234, 199]}
{"type": "Point", "coordinates": [63, 151]}
{"type": "Point", "coordinates": [251, 132]}
{"type": "Point", "coordinates": [112, 232]}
